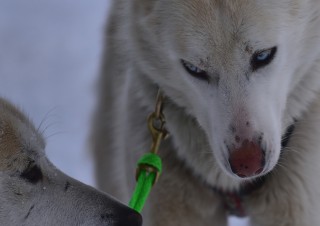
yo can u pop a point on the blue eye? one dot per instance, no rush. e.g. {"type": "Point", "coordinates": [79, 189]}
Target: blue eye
{"type": "Point", "coordinates": [262, 58]}
{"type": "Point", "coordinates": [190, 67]}
{"type": "Point", "coordinates": [264, 55]}
{"type": "Point", "coordinates": [195, 71]}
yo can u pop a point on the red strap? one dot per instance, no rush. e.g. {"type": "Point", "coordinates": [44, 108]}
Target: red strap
{"type": "Point", "coordinates": [234, 204]}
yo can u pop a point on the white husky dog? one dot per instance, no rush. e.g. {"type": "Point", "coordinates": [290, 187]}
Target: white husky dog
{"type": "Point", "coordinates": [35, 193]}
{"type": "Point", "coordinates": [238, 76]}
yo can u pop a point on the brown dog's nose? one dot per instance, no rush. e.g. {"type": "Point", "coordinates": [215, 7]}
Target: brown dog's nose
{"type": "Point", "coordinates": [248, 160]}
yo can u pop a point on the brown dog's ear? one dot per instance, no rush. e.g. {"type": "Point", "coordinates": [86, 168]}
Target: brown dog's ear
{"type": "Point", "coordinates": [9, 144]}
{"type": "Point", "coordinates": [19, 140]}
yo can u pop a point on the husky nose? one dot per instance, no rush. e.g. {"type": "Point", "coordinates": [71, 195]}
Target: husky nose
{"type": "Point", "coordinates": [248, 160]}
{"type": "Point", "coordinates": [114, 213]}
{"type": "Point", "coordinates": [121, 215]}
{"type": "Point", "coordinates": [128, 217]}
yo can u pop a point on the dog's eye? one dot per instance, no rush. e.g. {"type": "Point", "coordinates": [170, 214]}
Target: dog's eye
{"type": "Point", "coordinates": [262, 58]}
{"type": "Point", "coordinates": [195, 71]}
{"type": "Point", "coordinates": [32, 174]}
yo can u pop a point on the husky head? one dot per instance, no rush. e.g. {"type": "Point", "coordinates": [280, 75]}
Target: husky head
{"type": "Point", "coordinates": [34, 192]}
{"type": "Point", "coordinates": [237, 67]}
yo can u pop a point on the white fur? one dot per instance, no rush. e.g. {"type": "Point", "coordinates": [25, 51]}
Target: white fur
{"type": "Point", "coordinates": [146, 41]}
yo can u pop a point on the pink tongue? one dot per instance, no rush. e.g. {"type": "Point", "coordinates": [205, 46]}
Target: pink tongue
{"type": "Point", "coordinates": [248, 160]}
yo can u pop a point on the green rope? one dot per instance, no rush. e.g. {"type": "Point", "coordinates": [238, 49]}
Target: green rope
{"type": "Point", "coordinates": [145, 179]}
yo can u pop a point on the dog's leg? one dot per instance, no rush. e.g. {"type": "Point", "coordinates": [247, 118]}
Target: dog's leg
{"type": "Point", "coordinates": [120, 135]}
{"type": "Point", "coordinates": [113, 130]}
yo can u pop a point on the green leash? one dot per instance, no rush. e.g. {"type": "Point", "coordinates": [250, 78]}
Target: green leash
{"type": "Point", "coordinates": [145, 180]}
{"type": "Point", "coordinates": [150, 164]}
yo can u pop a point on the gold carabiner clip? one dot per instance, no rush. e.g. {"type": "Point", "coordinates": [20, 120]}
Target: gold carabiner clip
{"type": "Point", "coordinates": [156, 122]}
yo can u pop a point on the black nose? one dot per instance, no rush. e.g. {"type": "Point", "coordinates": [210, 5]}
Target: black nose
{"type": "Point", "coordinates": [107, 210]}
{"type": "Point", "coordinates": [128, 217]}
{"type": "Point", "coordinates": [118, 214]}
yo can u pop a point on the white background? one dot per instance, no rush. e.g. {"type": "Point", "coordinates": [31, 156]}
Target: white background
{"type": "Point", "coordinates": [49, 61]}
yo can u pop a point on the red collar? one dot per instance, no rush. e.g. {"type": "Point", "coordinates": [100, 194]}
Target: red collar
{"type": "Point", "coordinates": [233, 200]}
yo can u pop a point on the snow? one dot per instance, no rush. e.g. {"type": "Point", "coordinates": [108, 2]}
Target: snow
{"type": "Point", "coordinates": [49, 62]}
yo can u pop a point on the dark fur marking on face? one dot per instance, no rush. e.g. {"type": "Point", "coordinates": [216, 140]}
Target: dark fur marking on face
{"type": "Point", "coordinates": [233, 129]}
{"type": "Point", "coordinates": [31, 208]}
{"type": "Point", "coordinates": [32, 174]}
{"type": "Point", "coordinates": [67, 186]}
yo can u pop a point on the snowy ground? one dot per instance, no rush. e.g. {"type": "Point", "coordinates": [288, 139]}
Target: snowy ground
{"type": "Point", "coordinates": [49, 62]}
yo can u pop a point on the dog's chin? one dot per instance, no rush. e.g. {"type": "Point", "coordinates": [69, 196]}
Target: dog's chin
{"type": "Point", "coordinates": [232, 175]}
{"type": "Point", "coordinates": [228, 171]}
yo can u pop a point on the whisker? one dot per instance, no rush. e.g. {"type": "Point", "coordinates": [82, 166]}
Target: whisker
{"type": "Point", "coordinates": [54, 134]}
{"type": "Point", "coordinates": [50, 125]}
{"type": "Point", "coordinates": [46, 116]}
